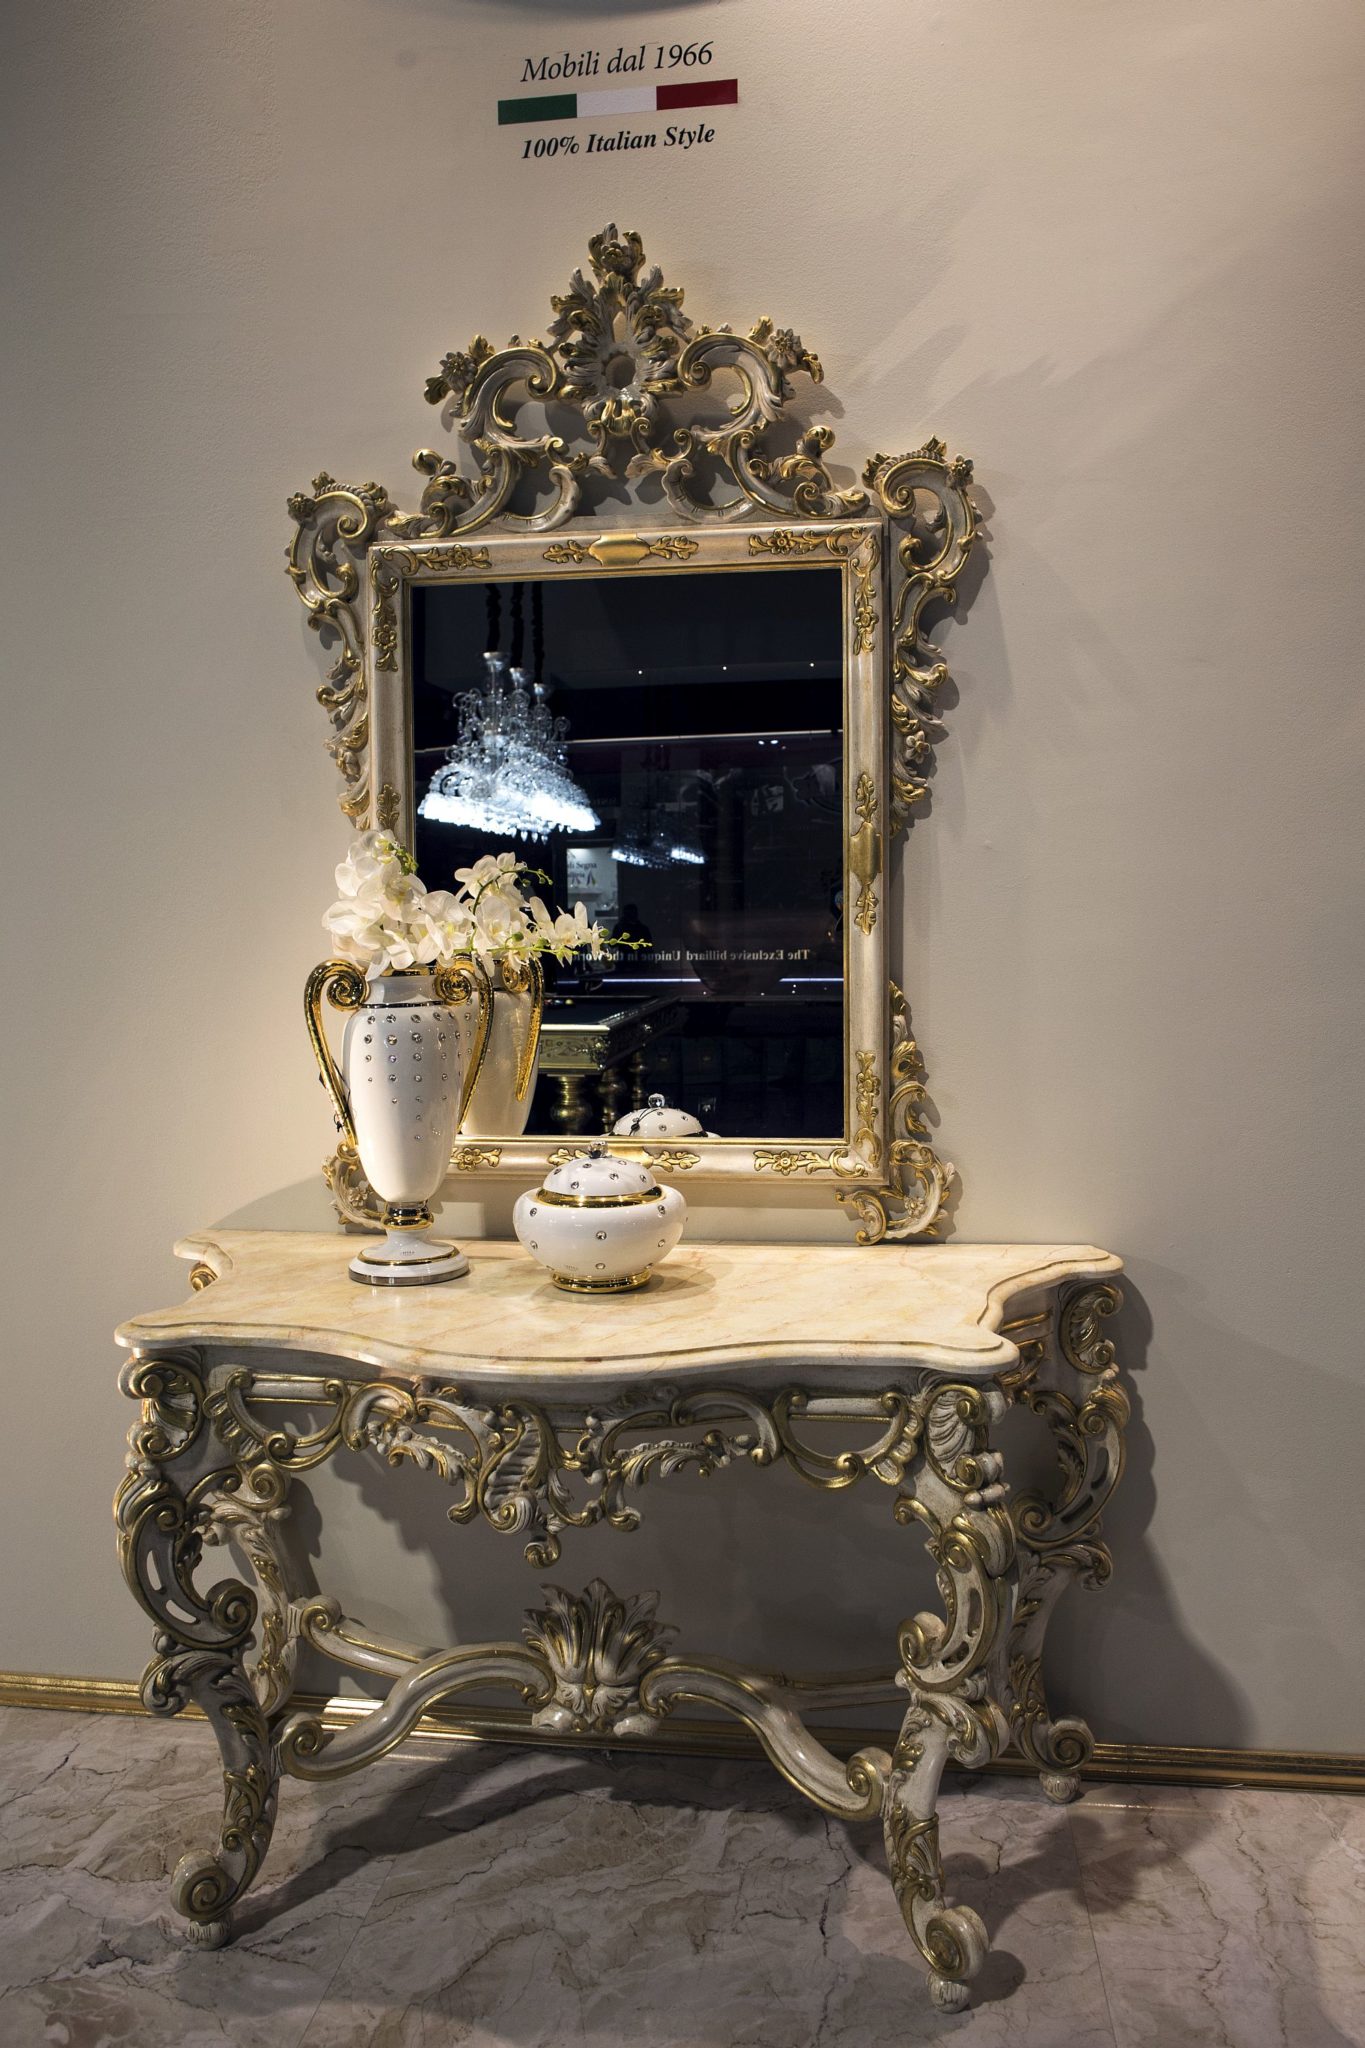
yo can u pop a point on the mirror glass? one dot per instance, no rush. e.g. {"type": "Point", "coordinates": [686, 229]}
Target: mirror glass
{"type": "Point", "coordinates": [672, 757]}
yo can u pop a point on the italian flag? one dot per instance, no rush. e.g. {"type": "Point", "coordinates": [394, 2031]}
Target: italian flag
{"type": "Point", "coordinates": [625, 99]}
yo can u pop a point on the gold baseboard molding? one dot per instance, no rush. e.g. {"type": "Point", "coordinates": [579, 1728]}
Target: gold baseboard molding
{"type": "Point", "coordinates": [1115, 1762]}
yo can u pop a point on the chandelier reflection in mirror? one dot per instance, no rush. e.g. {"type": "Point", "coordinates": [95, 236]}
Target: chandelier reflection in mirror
{"type": "Point", "coordinates": [507, 772]}
{"type": "Point", "coordinates": [651, 833]}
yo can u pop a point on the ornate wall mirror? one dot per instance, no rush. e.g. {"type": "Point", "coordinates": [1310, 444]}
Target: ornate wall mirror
{"type": "Point", "coordinates": [714, 710]}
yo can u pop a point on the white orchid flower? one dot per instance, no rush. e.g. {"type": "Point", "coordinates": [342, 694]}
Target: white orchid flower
{"type": "Point", "coordinates": [385, 920]}
{"type": "Point", "coordinates": [375, 859]}
{"type": "Point", "coordinates": [490, 869]}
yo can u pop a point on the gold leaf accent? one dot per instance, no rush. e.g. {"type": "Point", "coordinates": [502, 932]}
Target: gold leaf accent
{"type": "Point", "coordinates": [673, 1162]}
{"type": "Point", "coordinates": [442, 560]}
{"type": "Point", "coordinates": [356, 1201]}
{"type": "Point", "coordinates": [624, 550]}
{"type": "Point", "coordinates": [931, 554]}
{"type": "Point", "coordinates": [867, 1092]}
{"type": "Point", "coordinates": [910, 1202]}
{"type": "Point", "coordinates": [665, 1157]}
{"type": "Point", "coordinates": [787, 1160]}
{"type": "Point", "coordinates": [846, 544]}
{"type": "Point", "coordinates": [622, 356]}
{"type": "Point", "coordinates": [475, 1158]}
{"type": "Point", "coordinates": [916, 1866]}
{"type": "Point", "coordinates": [334, 525]}
{"type": "Point", "coordinates": [598, 1647]}
{"type": "Point", "coordinates": [865, 855]}
{"type": "Point", "coordinates": [384, 633]}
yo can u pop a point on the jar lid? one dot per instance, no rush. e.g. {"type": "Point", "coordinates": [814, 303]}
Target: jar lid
{"type": "Point", "coordinates": [657, 1120]}
{"type": "Point", "coordinates": [599, 1180]}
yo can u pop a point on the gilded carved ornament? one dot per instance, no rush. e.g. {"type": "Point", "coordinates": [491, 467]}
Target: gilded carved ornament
{"type": "Point", "coordinates": [514, 1465]}
{"type": "Point", "coordinates": [624, 321]}
{"type": "Point", "coordinates": [624, 550]}
{"type": "Point", "coordinates": [598, 1663]}
{"type": "Point", "coordinates": [629, 371]}
{"type": "Point", "coordinates": [865, 855]}
{"type": "Point", "coordinates": [163, 1524]}
{"type": "Point", "coordinates": [910, 1201]}
{"type": "Point", "coordinates": [665, 1158]}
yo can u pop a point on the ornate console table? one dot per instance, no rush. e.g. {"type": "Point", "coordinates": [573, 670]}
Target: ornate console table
{"type": "Point", "coordinates": [544, 1414]}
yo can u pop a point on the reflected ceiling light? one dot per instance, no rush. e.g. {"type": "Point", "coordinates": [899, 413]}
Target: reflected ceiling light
{"type": "Point", "coordinates": [506, 773]}
{"type": "Point", "coordinates": [658, 850]}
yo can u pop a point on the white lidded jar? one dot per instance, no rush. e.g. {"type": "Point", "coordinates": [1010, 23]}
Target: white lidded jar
{"type": "Point", "coordinates": [600, 1224]}
{"type": "Point", "coordinates": [407, 1065]}
{"type": "Point", "coordinates": [657, 1120]}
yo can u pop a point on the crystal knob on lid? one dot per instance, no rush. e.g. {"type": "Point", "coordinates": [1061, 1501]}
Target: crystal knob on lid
{"type": "Point", "coordinates": [600, 1223]}
{"type": "Point", "coordinates": [657, 1120]}
{"type": "Point", "coordinates": [598, 1177]}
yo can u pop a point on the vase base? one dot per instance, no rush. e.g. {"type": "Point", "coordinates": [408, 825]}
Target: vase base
{"type": "Point", "coordinates": [403, 1260]}
{"type": "Point", "coordinates": [626, 1284]}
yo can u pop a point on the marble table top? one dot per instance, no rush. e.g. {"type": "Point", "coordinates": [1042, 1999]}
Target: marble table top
{"type": "Point", "coordinates": [709, 1308]}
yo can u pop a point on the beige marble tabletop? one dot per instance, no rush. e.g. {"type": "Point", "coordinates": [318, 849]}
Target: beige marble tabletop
{"type": "Point", "coordinates": [708, 1307]}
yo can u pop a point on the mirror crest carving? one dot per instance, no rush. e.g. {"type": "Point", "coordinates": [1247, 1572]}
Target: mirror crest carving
{"type": "Point", "coordinates": [690, 427]}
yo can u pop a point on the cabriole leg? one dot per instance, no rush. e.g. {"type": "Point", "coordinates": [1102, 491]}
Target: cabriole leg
{"type": "Point", "coordinates": [1059, 1538]}
{"type": "Point", "coordinates": [952, 1939]}
{"type": "Point", "coordinates": [206, 1887]}
{"type": "Point", "coordinates": [1060, 1747]}
{"type": "Point", "coordinates": [954, 1667]}
{"type": "Point", "coordinates": [164, 1510]}
{"type": "Point", "coordinates": [250, 1518]}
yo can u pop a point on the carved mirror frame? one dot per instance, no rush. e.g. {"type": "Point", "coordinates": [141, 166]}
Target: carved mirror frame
{"type": "Point", "coordinates": [619, 364]}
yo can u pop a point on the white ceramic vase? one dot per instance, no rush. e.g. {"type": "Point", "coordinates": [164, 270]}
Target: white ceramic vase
{"type": "Point", "coordinates": [410, 1054]}
{"type": "Point", "coordinates": [500, 1100]}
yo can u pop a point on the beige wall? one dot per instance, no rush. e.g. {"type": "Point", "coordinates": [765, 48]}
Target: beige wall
{"type": "Point", "coordinates": [1111, 251]}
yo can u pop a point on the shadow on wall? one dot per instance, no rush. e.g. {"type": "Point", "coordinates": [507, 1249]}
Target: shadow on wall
{"type": "Point", "coordinates": [1237, 1402]}
{"type": "Point", "coordinates": [1123, 1652]}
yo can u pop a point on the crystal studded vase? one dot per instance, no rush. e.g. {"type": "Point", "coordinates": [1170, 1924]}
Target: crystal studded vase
{"type": "Point", "coordinates": [410, 1054]}
{"type": "Point", "coordinates": [500, 1099]}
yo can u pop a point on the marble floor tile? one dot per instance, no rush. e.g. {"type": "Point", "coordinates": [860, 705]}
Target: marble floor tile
{"type": "Point", "coordinates": [1237, 1922]}
{"type": "Point", "coordinates": [550, 1901]}
{"type": "Point", "coordinates": [486, 1898]}
{"type": "Point", "coordinates": [95, 1811]}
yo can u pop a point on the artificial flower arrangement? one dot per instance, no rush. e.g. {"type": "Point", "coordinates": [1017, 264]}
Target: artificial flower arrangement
{"type": "Point", "coordinates": [386, 921]}
{"type": "Point", "coordinates": [458, 1067]}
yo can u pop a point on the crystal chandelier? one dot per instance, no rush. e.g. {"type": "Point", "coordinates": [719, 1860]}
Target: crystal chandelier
{"type": "Point", "coordinates": [507, 773]}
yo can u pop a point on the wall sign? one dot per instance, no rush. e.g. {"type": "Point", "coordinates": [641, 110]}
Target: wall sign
{"type": "Point", "coordinates": [606, 86]}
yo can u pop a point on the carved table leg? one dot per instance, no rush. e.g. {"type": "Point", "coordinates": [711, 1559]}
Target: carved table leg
{"type": "Point", "coordinates": [954, 1668]}
{"type": "Point", "coordinates": [952, 1939]}
{"type": "Point", "coordinates": [1060, 1539]}
{"type": "Point", "coordinates": [252, 1524]}
{"type": "Point", "coordinates": [163, 1516]}
{"type": "Point", "coordinates": [205, 1888]}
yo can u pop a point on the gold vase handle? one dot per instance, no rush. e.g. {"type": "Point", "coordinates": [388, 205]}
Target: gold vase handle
{"type": "Point", "coordinates": [344, 987]}
{"type": "Point", "coordinates": [519, 978]}
{"type": "Point", "coordinates": [462, 981]}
